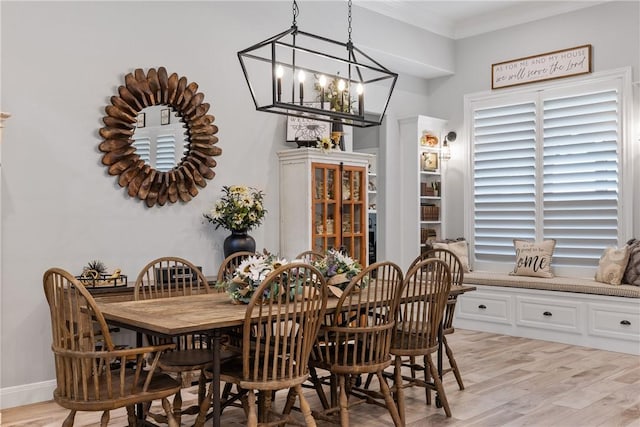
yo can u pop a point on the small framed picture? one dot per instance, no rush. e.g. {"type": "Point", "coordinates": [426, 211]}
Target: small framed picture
{"type": "Point", "coordinates": [164, 116]}
{"type": "Point", "coordinates": [305, 131]}
{"type": "Point", "coordinates": [141, 120]}
{"type": "Point", "coordinates": [429, 162]}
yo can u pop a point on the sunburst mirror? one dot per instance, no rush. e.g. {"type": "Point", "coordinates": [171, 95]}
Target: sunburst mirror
{"type": "Point", "coordinates": [165, 159]}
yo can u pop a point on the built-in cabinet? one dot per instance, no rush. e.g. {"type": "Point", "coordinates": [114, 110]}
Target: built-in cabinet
{"type": "Point", "coordinates": [423, 187]}
{"type": "Point", "coordinates": [324, 202]}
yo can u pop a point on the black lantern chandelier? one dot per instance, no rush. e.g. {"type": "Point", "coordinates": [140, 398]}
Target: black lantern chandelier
{"type": "Point", "coordinates": [305, 75]}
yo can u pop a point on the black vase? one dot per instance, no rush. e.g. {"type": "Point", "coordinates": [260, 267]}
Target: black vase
{"type": "Point", "coordinates": [238, 241]}
{"type": "Point", "coordinates": [338, 126]}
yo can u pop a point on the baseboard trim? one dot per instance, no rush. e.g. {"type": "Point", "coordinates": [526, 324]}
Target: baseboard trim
{"type": "Point", "coordinates": [26, 394]}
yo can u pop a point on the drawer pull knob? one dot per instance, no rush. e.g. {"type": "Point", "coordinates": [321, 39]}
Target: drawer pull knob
{"type": "Point", "coordinates": [625, 323]}
{"type": "Point", "coordinates": [547, 313]}
{"type": "Point", "coordinates": [482, 307]}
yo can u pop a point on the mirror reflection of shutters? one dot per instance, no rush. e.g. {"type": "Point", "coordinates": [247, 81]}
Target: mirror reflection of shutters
{"type": "Point", "coordinates": [165, 153]}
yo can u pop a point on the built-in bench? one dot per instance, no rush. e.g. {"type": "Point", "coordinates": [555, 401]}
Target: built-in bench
{"type": "Point", "coordinates": [571, 310]}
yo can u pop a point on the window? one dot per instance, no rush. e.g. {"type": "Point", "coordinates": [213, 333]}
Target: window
{"type": "Point", "coordinates": [547, 164]}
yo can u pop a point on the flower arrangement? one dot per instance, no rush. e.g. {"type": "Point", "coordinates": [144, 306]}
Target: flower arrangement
{"type": "Point", "coordinates": [240, 208]}
{"type": "Point", "coordinates": [337, 268]}
{"type": "Point", "coordinates": [248, 276]}
{"type": "Point", "coordinates": [325, 145]}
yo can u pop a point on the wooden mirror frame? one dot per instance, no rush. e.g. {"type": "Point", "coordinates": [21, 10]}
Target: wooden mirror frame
{"type": "Point", "coordinates": [140, 179]}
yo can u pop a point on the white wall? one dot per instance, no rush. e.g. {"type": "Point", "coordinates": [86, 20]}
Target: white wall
{"type": "Point", "coordinates": [61, 61]}
{"type": "Point", "coordinates": [612, 28]}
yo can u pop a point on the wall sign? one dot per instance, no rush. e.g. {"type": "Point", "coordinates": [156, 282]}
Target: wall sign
{"type": "Point", "coordinates": [552, 65]}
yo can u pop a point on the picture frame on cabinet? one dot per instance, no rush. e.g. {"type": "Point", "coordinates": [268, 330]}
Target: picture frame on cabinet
{"type": "Point", "coordinates": [429, 162]}
{"type": "Point", "coordinates": [306, 131]}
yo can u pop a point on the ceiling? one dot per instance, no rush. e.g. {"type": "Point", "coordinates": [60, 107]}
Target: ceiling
{"type": "Point", "coordinates": [458, 19]}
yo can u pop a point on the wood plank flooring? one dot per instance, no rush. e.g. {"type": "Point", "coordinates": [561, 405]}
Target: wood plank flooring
{"type": "Point", "coordinates": [509, 381]}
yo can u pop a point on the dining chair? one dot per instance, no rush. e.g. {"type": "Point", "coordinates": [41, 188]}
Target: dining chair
{"type": "Point", "coordinates": [229, 265]}
{"type": "Point", "coordinates": [280, 327]}
{"type": "Point", "coordinates": [168, 277]}
{"type": "Point", "coordinates": [310, 256]}
{"type": "Point", "coordinates": [356, 340]}
{"type": "Point", "coordinates": [92, 374]}
{"type": "Point", "coordinates": [425, 291]}
{"type": "Point", "coordinates": [457, 279]}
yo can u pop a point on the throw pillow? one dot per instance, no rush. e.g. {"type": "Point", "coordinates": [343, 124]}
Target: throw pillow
{"type": "Point", "coordinates": [460, 249]}
{"type": "Point", "coordinates": [612, 264]}
{"type": "Point", "coordinates": [632, 272]}
{"type": "Point", "coordinates": [533, 259]}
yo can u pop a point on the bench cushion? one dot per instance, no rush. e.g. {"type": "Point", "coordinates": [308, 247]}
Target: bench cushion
{"type": "Point", "coordinates": [564, 284]}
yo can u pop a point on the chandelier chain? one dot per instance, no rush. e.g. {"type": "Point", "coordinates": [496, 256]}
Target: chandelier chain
{"type": "Point", "coordinates": [349, 20]}
{"type": "Point", "coordinates": [296, 12]}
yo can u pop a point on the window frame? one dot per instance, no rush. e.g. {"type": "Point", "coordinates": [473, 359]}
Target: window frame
{"type": "Point", "coordinates": [621, 77]}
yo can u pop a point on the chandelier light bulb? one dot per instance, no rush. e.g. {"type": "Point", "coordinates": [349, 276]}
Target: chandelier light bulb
{"type": "Point", "coordinates": [301, 76]}
{"type": "Point", "coordinates": [279, 71]}
{"type": "Point", "coordinates": [341, 85]}
{"type": "Point", "coordinates": [322, 81]}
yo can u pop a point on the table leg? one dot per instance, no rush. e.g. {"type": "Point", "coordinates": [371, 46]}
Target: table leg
{"type": "Point", "coordinates": [215, 342]}
{"type": "Point", "coordinates": [440, 335]}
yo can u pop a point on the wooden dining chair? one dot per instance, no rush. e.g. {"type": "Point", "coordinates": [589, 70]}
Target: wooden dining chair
{"type": "Point", "coordinates": [169, 277]}
{"type": "Point", "coordinates": [91, 373]}
{"type": "Point", "coordinates": [229, 265]}
{"type": "Point", "coordinates": [425, 291]}
{"type": "Point", "coordinates": [457, 279]}
{"type": "Point", "coordinates": [280, 327]}
{"type": "Point", "coordinates": [310, 256]}
{"type": "Point", "coordinates": [356, 340]}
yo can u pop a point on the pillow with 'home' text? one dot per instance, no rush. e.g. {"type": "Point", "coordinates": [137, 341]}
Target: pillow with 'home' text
{"type": "Point", "coordinates": [533, 259]}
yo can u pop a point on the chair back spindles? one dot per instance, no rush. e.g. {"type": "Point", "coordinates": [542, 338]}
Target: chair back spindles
{"type": "Point", "coordinates": [230, 263]}
{"type": "Point", "coordinates": [281, 323]}
{"type": "Point", "coordinates": [168, 277]}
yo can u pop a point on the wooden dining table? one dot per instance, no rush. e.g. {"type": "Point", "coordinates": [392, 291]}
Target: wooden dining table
{"type": "Point", "coordinates": [205, 313]}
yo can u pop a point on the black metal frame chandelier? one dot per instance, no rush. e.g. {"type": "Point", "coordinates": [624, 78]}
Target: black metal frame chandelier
{"type": "Point", "coordinates": [300, 74]}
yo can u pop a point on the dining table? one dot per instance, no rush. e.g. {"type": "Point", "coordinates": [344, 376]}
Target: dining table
{"type": "Point", "coordinates": [209, 313]}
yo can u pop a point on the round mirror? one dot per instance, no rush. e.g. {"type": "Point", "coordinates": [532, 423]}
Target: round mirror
{"type": "Point", "coordinates": [158, 137]}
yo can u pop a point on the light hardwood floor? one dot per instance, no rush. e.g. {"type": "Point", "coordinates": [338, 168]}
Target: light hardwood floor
{"type": "Point", "coordinates": [509, 382]}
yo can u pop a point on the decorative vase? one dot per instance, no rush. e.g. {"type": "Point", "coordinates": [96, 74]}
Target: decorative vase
{"type": "Point", "coordinates": [337, 133]}
{"type": "Point", "coordinates": [238, 241]}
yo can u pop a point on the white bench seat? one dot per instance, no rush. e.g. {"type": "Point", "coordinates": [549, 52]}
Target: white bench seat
{"type": "Point", "coordinates": [564, 284]}
{"type": "Point", "coordinates": [569, 310]}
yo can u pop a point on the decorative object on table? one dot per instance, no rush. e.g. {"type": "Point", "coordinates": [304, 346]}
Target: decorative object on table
{"type": "Point", "coordinates": [239, 210]}
{"type": "Point", "coordinates": [250, 274]}
{"type": "Point", "coordinates": [277, 84]}
{"type": "Point", "coordinates": [325, 145]}
{"type": "Point", "coordinates": [143, 178]}
{"type": "Point", "coordinates": [338, 269]}
{"type": "Point", "coordinates": [95, 275]}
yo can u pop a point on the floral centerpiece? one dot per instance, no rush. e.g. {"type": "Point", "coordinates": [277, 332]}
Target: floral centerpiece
{"type": "Point", "coordinates": [248, 276]}
{"type": "Point", "coordinates": [240, 208]}
{"type": "Point", "coordinates": [338, 269]}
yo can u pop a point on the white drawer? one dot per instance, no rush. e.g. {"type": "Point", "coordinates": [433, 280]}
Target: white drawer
{"type": "Point", "coordinates": [486, 307]}
{"type": "Point", "coordinates": [545, 313]}
{"type": "Point", "coordinates": [614, 322]}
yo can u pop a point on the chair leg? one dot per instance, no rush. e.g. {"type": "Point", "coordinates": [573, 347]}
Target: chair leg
{"type": "Point", "coordinates": [391, 405]}
{"type": "Point", "coordinates": [438, 384]}
{"type": "Point", "coordinates": [344, 402]}
{"type": "Point", "coordinates": [313, 376]}
{"type": "Point", "coordinates": [68, 422]}
{"type": "Point", "coordinates": [304, 407]}
{"type": "Point", "coordinates": [453, 363]}
{"type": "Point", "coordinates": [399, 395]}
{"type": "Point", "coordinates": [252, 416]}
{"type": "Point", "coordinates": [291, 400]}
{"type": "Point", "coordinates": [204, 406]}
{"type": "Point", "coordinates": [171, 420]}
{"type": "Point", "coordinates": [104, 420]}
{"type": "Point", "coordinates": [427, 379]}
{"type": "Point", "coordinates": [131, 416]}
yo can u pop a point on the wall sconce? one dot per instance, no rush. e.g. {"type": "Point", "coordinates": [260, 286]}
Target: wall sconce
{"type": "Point", "coordinates": [445, 150]}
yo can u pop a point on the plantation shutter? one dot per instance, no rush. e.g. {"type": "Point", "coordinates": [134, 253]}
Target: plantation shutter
{"type": "Point", "coordinates": [165, 153]}
{"type": "Point", "coordinates": [504, 180]}
{"type": "Point", "coordinates": [581, 185]}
